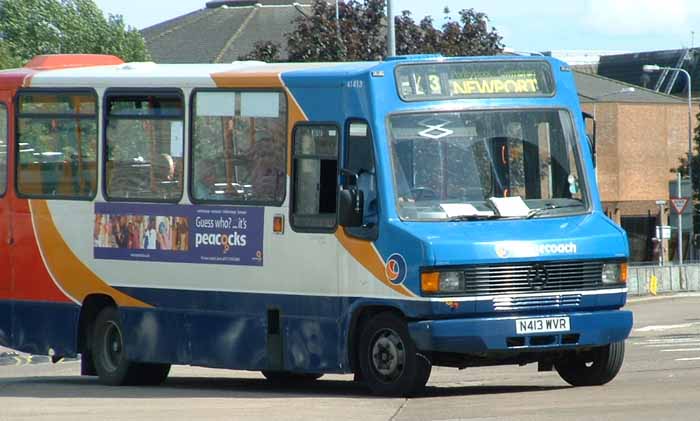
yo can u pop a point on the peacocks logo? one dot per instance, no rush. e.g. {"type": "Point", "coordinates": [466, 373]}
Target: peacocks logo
{"type": "Point", "coordinates": [396, 269]}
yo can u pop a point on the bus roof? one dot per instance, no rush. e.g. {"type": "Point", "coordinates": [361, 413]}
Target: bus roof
{"type": "Point", "coordinates": [62, 73]}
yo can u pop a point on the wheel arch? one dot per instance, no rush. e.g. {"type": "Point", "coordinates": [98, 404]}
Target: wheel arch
{"type": "Point", "coordinates": [91, 307]}
{"type": "Point", "coordinates": [360, 315]}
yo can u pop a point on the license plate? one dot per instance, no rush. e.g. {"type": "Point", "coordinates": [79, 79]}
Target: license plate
{"type": "Point", "coordinates": [542, 325]}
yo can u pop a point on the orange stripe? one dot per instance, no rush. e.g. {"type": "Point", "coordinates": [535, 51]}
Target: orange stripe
{"type": "Point", "coordinates": [367, 256]}
{"type": "Point", "coordinates": [68, 271]}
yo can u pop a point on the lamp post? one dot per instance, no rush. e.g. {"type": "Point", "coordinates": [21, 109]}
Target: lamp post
{"type": "Point", "coordinates": [391, 36]}
{"type": "Point", "coordinates": [651, 68]}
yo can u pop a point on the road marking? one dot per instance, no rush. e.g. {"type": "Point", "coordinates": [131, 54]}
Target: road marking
{"type": "Point", "coordinates": [664, 342]}
{"type": "Point", "coordinates": [681, 350]}
{"type": "Point", "coordinates": [655, 328]}
{"type": "Point", "coordinates": [667, 344]}
{"type": "Point", "coordinates": [688, 359]}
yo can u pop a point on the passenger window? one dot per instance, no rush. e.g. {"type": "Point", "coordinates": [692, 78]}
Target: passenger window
{"type": "Point", "coordinates": [239, 147]}
{"type": "Point", "coordinates": [315, 175]}
{"type": "Point", "coordinates": [3, 149]}
{"type": "Point", "coordinates": [359, 158]}
{"type": "Point", "coordinates": [57, 144]}
{"type": "Point", "coordinates": [144, 144]}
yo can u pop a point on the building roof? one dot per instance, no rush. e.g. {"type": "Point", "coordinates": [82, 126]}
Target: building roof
{"type": "Point", "coordinates": [628, 68]}
{"type": "Point", "coordinates": [223, 31]}
{"type": "Point", "coordinates": [595, 88]}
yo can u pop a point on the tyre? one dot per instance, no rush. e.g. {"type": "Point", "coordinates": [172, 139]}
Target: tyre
{"type": "Point", "coordinates": [109, 355]}
{"type": "Point", "coordinates": [592, 368]}
{"type": "Point", "coordinates": [389, 363]}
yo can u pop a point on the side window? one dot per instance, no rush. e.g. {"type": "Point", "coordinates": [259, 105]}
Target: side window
{"type": "Point", "coordinates": [144, 146]}
{"type": "Point", "coordinates": [56, 144]}
{"type": "Point", "coordinates": [3, 149]}
{"type": "Point", "coordinates": [239, 147]}
{"type": "Point", "coordinates": [315, 178]}
{"type": "Point", "coordinates": [359, 158]}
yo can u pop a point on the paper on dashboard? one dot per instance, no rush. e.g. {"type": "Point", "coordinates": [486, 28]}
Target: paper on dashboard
{"type": "Point", "coordinates": [510, 206]}
{"type": "Point", "coordinates": [463, 209]}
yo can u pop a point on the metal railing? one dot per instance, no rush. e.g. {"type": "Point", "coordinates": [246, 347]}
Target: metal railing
{"type": "Point", "coordinates": [646, 279]}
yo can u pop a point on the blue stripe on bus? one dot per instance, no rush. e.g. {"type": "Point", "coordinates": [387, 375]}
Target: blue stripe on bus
{"type": "Point", "coordinates": [38, 326]}
{"type": "Point", "coordinates": [230, 330]}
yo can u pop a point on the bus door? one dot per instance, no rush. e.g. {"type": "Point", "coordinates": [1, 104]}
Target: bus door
{"type": "Point", "coordinates": [5, 213]}
{"type": "Point", "coordinates": [313, 248]}
{"type": "Point", "coordinates": [359, 170]}
{"type": "Point", "coordinates": [5, 226]}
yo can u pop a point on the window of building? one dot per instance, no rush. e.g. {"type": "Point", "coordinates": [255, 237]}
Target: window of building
{"type": "Point", "coordinates": [315, 175]}
{"type": "Point", "coordinates": [56, 144]}
{"type": "Point", "coordinates": [144, 146]}
{"type": "Point", "coordinates": [239, 147]}
{"type": "Point", "coordinates": [3, 149]}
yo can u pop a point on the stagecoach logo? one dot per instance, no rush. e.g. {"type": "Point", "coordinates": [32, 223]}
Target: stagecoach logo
{"type": "Point", "coordinates": [396, 269]}
{"type": "Point", "coordinates": [435, 128]}
{"type": "Point", "coordinates": [537, 277]}
{"type": "Point", "coordinates": [501, 252]}
{"type": "Point", "coordinates": [517, 249]}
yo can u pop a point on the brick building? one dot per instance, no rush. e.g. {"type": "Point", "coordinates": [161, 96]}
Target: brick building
{"type": "Point", "coordinates": [641, 136]}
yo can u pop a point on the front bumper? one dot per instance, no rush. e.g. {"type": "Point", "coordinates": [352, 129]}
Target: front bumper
{"type": "Point", "coordinates": [481, 335]}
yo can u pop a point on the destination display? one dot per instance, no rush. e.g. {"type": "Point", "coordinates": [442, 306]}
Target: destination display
{"type": "Point", "coordinates": [474, 79]}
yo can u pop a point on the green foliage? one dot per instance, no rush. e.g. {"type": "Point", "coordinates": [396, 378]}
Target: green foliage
{"type": "Point", "coordinates": [361, 34]}
{"type": "Point", "coordinates": [266, 51]}
{"type": "Point", "coordinates": [683, 167]}
{"type": "Point", "coordinates": [34, 27]}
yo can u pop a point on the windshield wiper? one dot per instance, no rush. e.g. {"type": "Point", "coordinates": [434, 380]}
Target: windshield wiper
{"type": "Point", "coordinates": [472, 217]}
{"type": "Point", "coordinates": [549, 206]}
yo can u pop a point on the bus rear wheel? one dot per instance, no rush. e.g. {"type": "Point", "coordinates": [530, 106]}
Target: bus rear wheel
{"type": "Point", "coordinates": [110, 359]}
{"type": "Point", "coordinates": [389, 362]}
{"type": "Point", "coordinates": [592, 368]}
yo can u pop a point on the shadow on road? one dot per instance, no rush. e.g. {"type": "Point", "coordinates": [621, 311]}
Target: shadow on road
{"type": "Point", "coordinates": [216, 387]}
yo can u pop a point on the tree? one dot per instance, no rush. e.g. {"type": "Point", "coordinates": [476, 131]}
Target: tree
{"type": "Point", "coordinates": [34, 27]}
{"type": "Point", "coordinates": [361, 34]}
{"type": "Point", "coordinates": [266, 51]}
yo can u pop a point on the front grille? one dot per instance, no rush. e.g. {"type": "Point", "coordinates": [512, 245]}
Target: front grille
{"type": "Point", "coordinates": [533, 277]}
{"type": "Point", "coordinates": [539, 302]}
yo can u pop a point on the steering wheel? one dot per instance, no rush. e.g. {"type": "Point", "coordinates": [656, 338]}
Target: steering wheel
{"type": "Point", "coordinates": [424, 193]}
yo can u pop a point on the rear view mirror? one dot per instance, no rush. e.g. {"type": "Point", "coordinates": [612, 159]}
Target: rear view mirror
{"type": "Point", "coordinates": [350, 205]}
{"type": "Point", "coordinates": [591, 137]}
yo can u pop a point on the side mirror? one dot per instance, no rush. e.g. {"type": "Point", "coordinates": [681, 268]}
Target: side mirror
{"type": "Point", "coordinates": [591, 137]}
{"type": "Point", "coordinates": [350, 206]}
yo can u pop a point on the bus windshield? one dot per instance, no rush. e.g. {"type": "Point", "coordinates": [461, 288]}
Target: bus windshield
{"type": "Point", "coordinates": [450, 165]}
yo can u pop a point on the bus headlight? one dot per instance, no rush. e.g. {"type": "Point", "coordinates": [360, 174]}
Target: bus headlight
{"type": "Point", "coordinates": [441, 282]}
{"type": "Point", "coordinates": [451, 281]}
{"type": "Point", "coordinates": [614, 273]}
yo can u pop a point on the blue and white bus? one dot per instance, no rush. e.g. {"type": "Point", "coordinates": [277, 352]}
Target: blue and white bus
{"type": "Point", "coordinates": [374, 218]}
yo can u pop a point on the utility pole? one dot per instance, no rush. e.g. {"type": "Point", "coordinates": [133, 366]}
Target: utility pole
{"type": "Point", "coordinates": [391, 35]}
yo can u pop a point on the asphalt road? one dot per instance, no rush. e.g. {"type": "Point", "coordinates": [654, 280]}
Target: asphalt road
{"type": "Point", "coordinates": [660, 380]}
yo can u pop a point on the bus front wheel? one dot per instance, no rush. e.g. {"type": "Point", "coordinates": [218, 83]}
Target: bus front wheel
{"type": "Point", "coordinates": [595, 367]}
{"type": "Point", "coordinates": [110, 359]}
{"type": "Point", "coordinates": [389, 362]}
